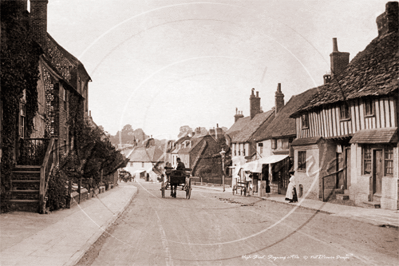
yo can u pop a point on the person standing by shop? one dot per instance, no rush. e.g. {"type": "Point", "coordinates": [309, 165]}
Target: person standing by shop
{"type": "Point", "coordinates": [291, 189]}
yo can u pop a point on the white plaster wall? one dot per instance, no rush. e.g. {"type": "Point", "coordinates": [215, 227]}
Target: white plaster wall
{"type": "Point", "coordinates": [309, 179]}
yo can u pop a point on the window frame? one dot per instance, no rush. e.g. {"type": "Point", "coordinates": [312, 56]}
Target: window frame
{"type": "Point", "coordinates": [388, 148]}
{"type": "Point", "coordinates": [366, 160]}
{"type": "Point", "coordinates": [369, 107]}
{"type": "Point", "coordinates": [305, 120]}
{"type": "Point", "coordinates": [301, 161]}
{"type": "Point", "coordinates": [274, 144]}
{"type": "Point", "coordinates": [344, 111]}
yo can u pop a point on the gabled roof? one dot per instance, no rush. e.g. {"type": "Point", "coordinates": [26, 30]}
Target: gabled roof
{"type": "Point", "coordinates": [141, 154]}
{"type": "Point", "coordinates": [244, 128]}
{"type": "Point", "coordinates": [373, 72]}
{"type": "Point", "coordinates": [282, 125]}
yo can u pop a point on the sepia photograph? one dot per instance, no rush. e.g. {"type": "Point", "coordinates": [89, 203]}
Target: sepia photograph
{"type": "Point", "coordinates": [189, 132]}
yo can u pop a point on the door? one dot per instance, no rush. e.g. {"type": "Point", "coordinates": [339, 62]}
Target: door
{"type": "Point", "coordinates": [265, 176]}
{"type": "Point", "coordinates": [347, 180]}
{"type": "Point", "coordinates": [378, 172]}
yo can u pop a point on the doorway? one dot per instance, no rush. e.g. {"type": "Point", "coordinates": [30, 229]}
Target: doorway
{"type": "Point", "coordinates": [378, 173]}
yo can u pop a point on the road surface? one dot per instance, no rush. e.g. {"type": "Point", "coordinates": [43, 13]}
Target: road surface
{"type": "Point", "coordinates": [216, 228]}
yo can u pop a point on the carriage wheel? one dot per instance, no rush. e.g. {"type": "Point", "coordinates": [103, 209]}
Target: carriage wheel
{"type": "Point", "coordinates": [234, 189]}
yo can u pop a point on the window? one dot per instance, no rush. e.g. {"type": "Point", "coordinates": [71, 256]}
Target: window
{"type": "Point", "coordinates": [22, 121]}
{"type": "Point", "coordinates": [243, 152]}
{"type": "Point", "coordinates": [368, 107]}
{"type": "Point", "coordinates": [260, 145]}
{"type": "Point", "coordinates": [366, 160]}
{"type": "Point", "coordinates": [285, 144]}
{"type": "Point", "coordinates": [305, 121]}
{"type": "Point", "coordinates": [274, 144]}
{"type": "Point", "coordinates": [301, 160]}
{"type": "Point", "coordinates": [235, 153]}
{"type": "Point", "coordinates": [64, 98]}
{"type": "Point", "coordinates": [388, 160]}
{"type": "Point", "coordinates": [345, 111]}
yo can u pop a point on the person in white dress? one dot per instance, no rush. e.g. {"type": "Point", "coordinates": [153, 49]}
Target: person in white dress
{"type": "Point", "coordinates": [291, 189]}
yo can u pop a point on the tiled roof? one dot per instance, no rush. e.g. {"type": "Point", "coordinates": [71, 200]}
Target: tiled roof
{"type": "Point", "coordinates": [379, 135]}
{"type": "Point", "coordinates": [282, 124]}
{"type": "Point", "coordinates": [141, 154]}
{"type": "Point", "coordinates": [244, 128]}
{"type": "Point", "coordinates": [373, 72]}
{"type": "Point", "coordinates": [305, 141]}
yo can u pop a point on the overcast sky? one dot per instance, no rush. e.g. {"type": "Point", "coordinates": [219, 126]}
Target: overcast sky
{"type": "Point", "coordinates": [161, 64]}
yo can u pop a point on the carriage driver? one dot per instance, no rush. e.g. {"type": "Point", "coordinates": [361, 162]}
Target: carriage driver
{"type": "Point", "coordinates": [180, 165]}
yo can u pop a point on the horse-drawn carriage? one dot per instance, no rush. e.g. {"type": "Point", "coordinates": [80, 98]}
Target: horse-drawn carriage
{"type": "Point", "coordinates": [177, 178]}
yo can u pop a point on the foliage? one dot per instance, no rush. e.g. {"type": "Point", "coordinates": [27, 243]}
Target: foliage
{"type": "Point", "coordinates": [128, 136]}
{"type": "Point", "coordinates": [19, 71]}
{"type": "Point", "coordinates": [56, 191]}
{"type": "Point", "coordinates": [184, 130]}
{"type": "Point", "coordinates": [92, 150]}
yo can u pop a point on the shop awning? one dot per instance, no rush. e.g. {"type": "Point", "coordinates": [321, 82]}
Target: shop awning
{"type": "Point", "coordinates": [256, 166]}
{"type": "Point", "coordinates": [378, 135]}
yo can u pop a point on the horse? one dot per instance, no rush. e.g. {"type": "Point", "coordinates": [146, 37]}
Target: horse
{"type": "Point", "coordinates": [176, 178]}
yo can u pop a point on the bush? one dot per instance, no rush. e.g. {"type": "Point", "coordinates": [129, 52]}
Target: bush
{"type": "Point", "coordinates": [57, 191]}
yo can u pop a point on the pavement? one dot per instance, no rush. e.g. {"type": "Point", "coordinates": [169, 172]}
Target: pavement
{"type": "Point", "coordinates": [379, 217]}
{"type": "Point", "coordinates": [61, 237]}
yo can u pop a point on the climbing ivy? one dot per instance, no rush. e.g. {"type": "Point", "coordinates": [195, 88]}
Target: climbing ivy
{"type": "Point", "coordinates": [19, 71]}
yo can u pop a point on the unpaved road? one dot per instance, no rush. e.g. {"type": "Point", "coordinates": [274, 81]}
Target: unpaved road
{"type": "Point", "coordinates": [214, 228]}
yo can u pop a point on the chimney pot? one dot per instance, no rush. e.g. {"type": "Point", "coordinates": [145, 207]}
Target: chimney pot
{"type": "Point", "coordinates": [335, 45]}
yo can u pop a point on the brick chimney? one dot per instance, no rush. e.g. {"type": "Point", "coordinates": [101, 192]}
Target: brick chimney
{"type": "Point", "coordinates": [39, 20]}
{"type": "Point", "coordinates": [212, 132]}
{"type": "Point", "coordinates": [22, 4]}
{"type": "Point", "coordinates": [254, 104]}
{"type": "Point", "coordinates": [238, 115]}
{"type": "Point", "coordinates": [339, 60]}
{"type": "Point", "coordinates": [219, 131]}
{"type": "Point", "coordinates": [279, 100]}
{"type": "Point", "coordinates": [388, 21]}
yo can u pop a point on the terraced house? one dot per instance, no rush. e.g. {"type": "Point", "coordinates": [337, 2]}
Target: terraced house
{"type": "Point", "coordinates": [273, 141]}
{"type": "Point", "coordinates": [240, 134]}
{"type": "Point", "coordinates": [62, 93]}
{"type": "Point", "coordinates": [347, 134]}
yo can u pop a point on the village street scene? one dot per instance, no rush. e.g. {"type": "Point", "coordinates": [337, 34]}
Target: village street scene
{"type": "Point", "coordinates": [180, 132]}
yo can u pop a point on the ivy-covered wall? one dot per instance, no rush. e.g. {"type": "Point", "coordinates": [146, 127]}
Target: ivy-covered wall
{"type": "Point", "coordinates": [19, 71]}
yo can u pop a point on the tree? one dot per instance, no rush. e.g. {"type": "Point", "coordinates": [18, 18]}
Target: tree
{"type": "Point", "coordinates": [184, 130]}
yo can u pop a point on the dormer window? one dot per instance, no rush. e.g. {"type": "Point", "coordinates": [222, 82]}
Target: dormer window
{"type": "Point", "coordinates": [305, 121]}
{"type": "Point", "coordinates": [345, 111]}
